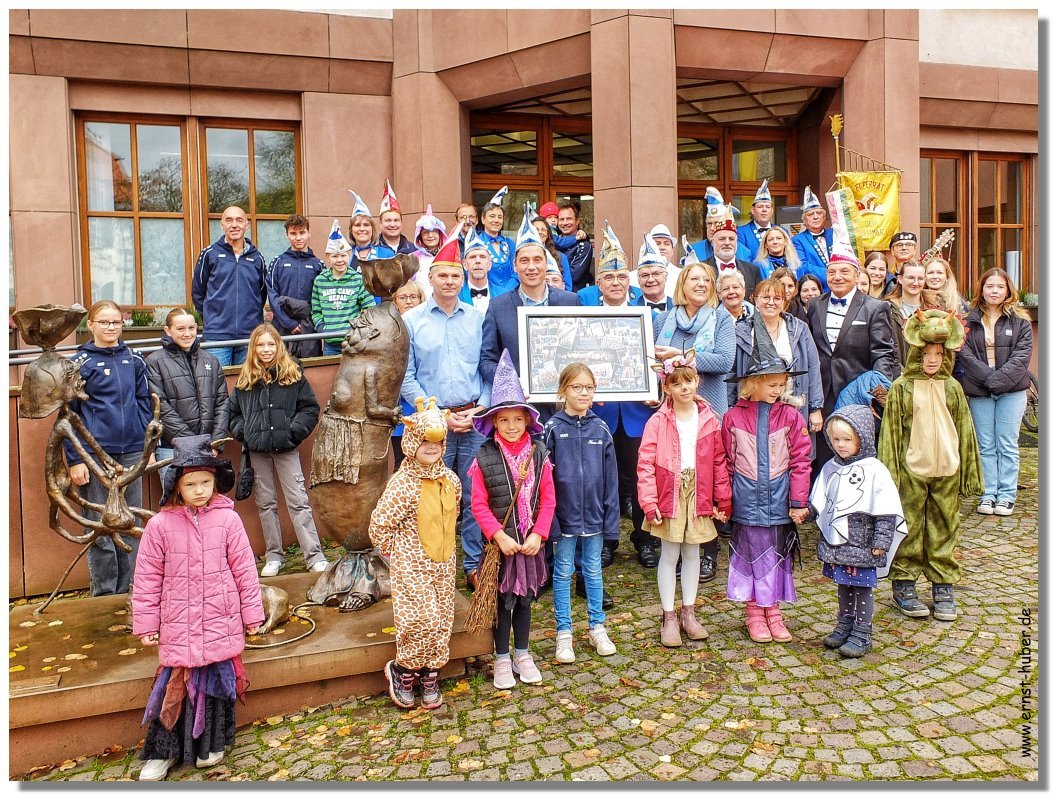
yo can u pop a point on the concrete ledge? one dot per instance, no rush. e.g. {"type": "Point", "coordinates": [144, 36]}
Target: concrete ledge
{"type": "Point", "coordinates": [99, 700]}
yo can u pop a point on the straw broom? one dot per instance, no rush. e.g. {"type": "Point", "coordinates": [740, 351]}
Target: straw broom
{"type": "Point", "coordinates": [482, 612]}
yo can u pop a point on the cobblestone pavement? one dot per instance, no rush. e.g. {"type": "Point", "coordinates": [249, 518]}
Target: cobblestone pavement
{"type": "Point", "coordinates": [932, 701]}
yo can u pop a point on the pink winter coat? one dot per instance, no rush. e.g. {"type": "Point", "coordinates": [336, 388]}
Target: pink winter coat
{"type": "Point", "coordinates": [196, 584]}
{"type": "Point", "coordinates": [660, 466]}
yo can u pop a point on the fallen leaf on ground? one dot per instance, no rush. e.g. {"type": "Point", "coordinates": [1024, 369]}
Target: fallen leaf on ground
{"type": "Point", "coordinates": [47, 668]}
{"type": "Point", "coordinates": [469, 764]}
{"type": "Point", "coordinates": [66, 765]}
{"type": "Point", "coordinates": [460, 687]}
{"type": "Point", "coordinates": [76, 656]}
{"type": "Point", "coordinates": [389, 630]}
{"type": "Point", "coordinates": [13, 669]}
{"type": "Point", "coordinates": [273, 720]}
{"type": "Point", "coordinates": [62, 669]}
{"type": "Point", "coordinates": [12, 655]}
{"type": "Point", "coordinates": [631, 683]}
{"type": "Point", "coordinates": [279, 775]}
{"type": "Point", "coordinates": [649, 727]}
{"type": "Point", "coordinates": [28, 624]}
{"type": "Point", "coordinates": [67, 637]}
{"type": "Point", "coordinates": [668, 716]}
{"type": "Point", "coordinates": [591, 753]}
{"type": "Point", "coordinates": [279, 631]}
{"type": "Point", "coordinates": [762, 748]}
{"type": "Point", "coordinates": [21, 648]}
{"type": "Point", "coordinates": [454, 739]}
{"type": "Point", "coordinates": [87, 645]}
{"type": "Point", "coordinates": [55, 623]}
{"type": "Point", "coordinates": [127, 652]}
{"type": "Point", "coordinates": [756, 662]}
{"type": "Point", "coordinates": [665, 758]}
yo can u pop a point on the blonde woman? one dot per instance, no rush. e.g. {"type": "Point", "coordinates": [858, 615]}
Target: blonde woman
{"type": "Point", "coordinates": [776, 250]}
{"type": "Point", "coordinates": [940, 280]}
{"type": "Point", "coordinates": [907, 297]}
{"type": "Point", "coordinates": [273, 410]}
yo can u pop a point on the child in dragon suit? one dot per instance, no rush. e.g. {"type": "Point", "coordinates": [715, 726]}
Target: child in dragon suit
{"type": "Point", "coordinates": [928, 444]}
{"type": "Point", "coordinates": [414, 524]}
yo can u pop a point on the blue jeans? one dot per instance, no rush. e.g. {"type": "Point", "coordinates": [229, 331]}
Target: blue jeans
{"type": "Point", "coordinates": [109, 568]}
{"type": "Point", "coordinates": [234, 355]}
{"type": "Point", "coordinates": [590, 568]}
{"type": "Point", "coordinates": [332, 349]}
{"type": "Point", "coordinates": [460, 451]}
{"type": "Point", "coordinates": [997, 420]}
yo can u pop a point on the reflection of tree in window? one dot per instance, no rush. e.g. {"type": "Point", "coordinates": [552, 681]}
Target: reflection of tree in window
{"type": "Point", "coordinates": [161, 188]}
{"type": "Point", "coordinates": [274, 172]}
{"type": "Point", "coordinates": [226, 187]}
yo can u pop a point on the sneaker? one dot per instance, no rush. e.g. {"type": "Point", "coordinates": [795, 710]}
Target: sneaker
{"type": "Point", "coordinates": [526, 669]}
{"type": "Point", "coordinates": [987, 507]}
{"type": "Point", "coordinates": [401, 683]}
{"type": "Point", "coordinates": [156, 769]}
{"type": "Point", "coordinates": [503, 673]}
{"type": "Point", "coordinates": [431, 689]}
{"type": "Point", "coordinates": [1004, 508]}
{"type": "Point", "coordinates": [271, 568]}
{"type": "Point", "coordinates": [564, 648]}
{"type": "Point", "coordinates": [213, 759]}
{"type": "Point", "coordinates": [944, 608]}
{"type": "Point", "coordinates": [907, 600]}
{"type": "Point", "coordinates": [319, 566]}
{"type": "Point", "coordinates": [601, 641]}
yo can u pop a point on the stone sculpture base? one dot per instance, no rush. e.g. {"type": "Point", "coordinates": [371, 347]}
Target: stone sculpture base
{"type": "Point", "coordinates": [353, 582]}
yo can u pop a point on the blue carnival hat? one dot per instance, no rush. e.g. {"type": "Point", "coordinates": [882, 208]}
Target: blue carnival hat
{"type": "Point", "coordinates": [689, 256]}
{"type": "Point", "coordinates": [552, 265]}
{"type": "Point", "coordinates": [359, 207]}
{"type": "Point", "coordinates": [527, 235]}
{"type": "Point", "coordinates": [473, 242]}
{"type": "Point", "coordinates": [714, 203]}
{"type": "Point", "coordinates": [497, 199]}
{"type": "Point", "coordinates": [611, 254]}
{"type": "Point", "coordinates": [762, 193]}
{"type": "Point", "coordinates": [810, 201]}
{"type": "Point", "coordinates": [649, 253]}
{"type": "Point", "coordinates": [507, 393]}
{"type": "Point", "coordinates": [336, 242]}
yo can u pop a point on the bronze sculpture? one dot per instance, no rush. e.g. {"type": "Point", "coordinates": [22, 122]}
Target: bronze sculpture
{"type": "Point", "coordinates": [350, 457]}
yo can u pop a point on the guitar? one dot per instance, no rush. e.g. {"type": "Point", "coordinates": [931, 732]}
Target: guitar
{"type": "Point", "coordinates": [941, 242]}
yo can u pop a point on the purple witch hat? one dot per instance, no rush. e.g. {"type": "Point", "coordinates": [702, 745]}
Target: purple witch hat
{"type": "Point", "coordinates": [507, 393]}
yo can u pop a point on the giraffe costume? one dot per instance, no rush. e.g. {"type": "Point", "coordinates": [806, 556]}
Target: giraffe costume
{"type": "Point", "coordinates": [414, 525]}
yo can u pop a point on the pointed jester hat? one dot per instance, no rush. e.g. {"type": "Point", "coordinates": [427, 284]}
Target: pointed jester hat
{"type": "Point", "coordinates": [359, 207]}
{"type": "Point", "coordinates": [389, 200]}
{"type": "Point", "coordinates": [507, 393]}
{"type": "Point", "coordinates": [336, 241]}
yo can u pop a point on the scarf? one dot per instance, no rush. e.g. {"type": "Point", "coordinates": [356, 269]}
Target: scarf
{"type": "Point", "coordinates": [702, 326]}
{"type": "Point", "coordinates": [516, 456]}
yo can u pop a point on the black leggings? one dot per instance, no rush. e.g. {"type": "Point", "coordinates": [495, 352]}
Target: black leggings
{"type": "Point", "coordinates": [520, 618]}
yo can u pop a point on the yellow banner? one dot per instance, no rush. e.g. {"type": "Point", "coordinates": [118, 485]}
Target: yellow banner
{"type": "Point", "coordinates": [877, 197]}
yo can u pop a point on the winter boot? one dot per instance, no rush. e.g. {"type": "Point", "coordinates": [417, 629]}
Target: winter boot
{"type": "Point", "coordinates": [690, 625]}
{"type": "Point", "coordinates": [944, 608]}
{"type": "Point", "coordinates": [431, 689]}
{"type": "Point", "coordinates": [670, 630]}
{"type": "Point", "coordinates": [401, 683]}
{"type": "Point", "coordinates": [777, 627]}
{"type": "Point", "coordinates": [907, 599]}
{"type": "Point", "coordinates": [859, 642]}
{"type": "Point", "coordinates": [840, 634]}
{"type": "Point", "coordinates": [756, 624]}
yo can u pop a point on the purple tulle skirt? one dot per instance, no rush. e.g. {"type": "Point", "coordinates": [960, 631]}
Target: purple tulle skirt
{"type": "Point", "coordinates": [521, 575]}
{"type": "Point", "coordinates": [761, 565]}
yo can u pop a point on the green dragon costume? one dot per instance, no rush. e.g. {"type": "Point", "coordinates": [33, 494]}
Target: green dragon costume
{"type": "Point", "coordinates": [928, 443]}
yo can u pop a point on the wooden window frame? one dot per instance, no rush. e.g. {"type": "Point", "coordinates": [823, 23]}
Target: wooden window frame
{"type": "Point", "coordinates": [1027, 273]}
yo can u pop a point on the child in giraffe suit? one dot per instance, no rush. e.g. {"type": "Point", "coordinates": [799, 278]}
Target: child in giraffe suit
{"type": "Point", "coordinates": [414, 525]}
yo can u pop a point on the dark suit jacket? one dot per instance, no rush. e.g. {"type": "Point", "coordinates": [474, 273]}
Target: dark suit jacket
{"type": "Point", "coordinates": [864, 343]}
{"type": "Point", "coordinates": [750, 272]}
{"type": "Point", "coordinates": [500, 329]}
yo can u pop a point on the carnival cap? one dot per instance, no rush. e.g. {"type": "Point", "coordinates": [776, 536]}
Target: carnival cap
{"type": "Point", "coordinates": [650, 255]}
{"type": "Point", "coordinates": [336, 241]}
{"type": "Point", "coordinates": [903, 236]}
{"type": "Point", "coordinates": [498, 198]}
{"type": "Point", "coordinates": [714, 203]}
{"type": "Point", "coordinates": [662, 230]}
{"type": "Point", "coordinates": [448, 253]}
{"type": "Point", "coordinates": [389, 200]}
{"type": "Point", "coordinates": [527, 235]}
{"type": "Point", "coordinates": [763, 195]}
{"type": "Point", "coordinates": [507, 393]}
{"type": "Point", "coordinates": [428, 222]}
{"type": "Point", "coordinates": [611, 254]}
{"type": "Point", "coordinates": [689, 256]}
{"type": "Point", "coordinates": [359, 207]}
{"type": "Point", "coordinates": [474, 242]}
{"type": "Point", "coordinates": [810, 201]}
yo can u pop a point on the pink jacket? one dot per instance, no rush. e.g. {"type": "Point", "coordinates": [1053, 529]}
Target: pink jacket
{"type": "Point", "coordinates": [196, 584]}
{"type": "Point", "coordinates": [660, 465]}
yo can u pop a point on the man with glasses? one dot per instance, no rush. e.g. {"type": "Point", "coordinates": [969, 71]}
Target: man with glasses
{"type": "Point", "coordinates": [903, 247]}
{"type": "Point", "coordinates": [814, 242]}
{"type": "Point", "coordinates": [652, 275]}
{"type": "Point", "coordinates": [725, 255]}
{"type": "Point", "coordinates": [228, 288]}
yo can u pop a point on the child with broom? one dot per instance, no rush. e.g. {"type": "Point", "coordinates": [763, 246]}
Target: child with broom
{"type": "Point", "coordinates": [513, 500]}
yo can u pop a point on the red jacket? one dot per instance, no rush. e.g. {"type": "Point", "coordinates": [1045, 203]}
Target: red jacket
{"type": "Point", "coordinates": [196, 584]}
{"type": "Point", "coordinates": [660, 465]}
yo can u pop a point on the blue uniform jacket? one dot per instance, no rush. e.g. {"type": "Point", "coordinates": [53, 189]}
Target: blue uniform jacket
{"type": "Point", "coordinates": [119, 405]}
{"type": "Point", "coordinates": [580, 255]}
{"type": "Point", "coordinates": [500, 329]}
{"type": "Point", "coordinates": [496, 288]}
{"type": "Point", "coordinates": [291, 275]}
{"type": "Point", "coordinates": [229, 291]}
{"type": "Point", "coordinates": [747, 237]}
{"type": "Point", "coordinates": [811, 261]}
{"type": "Point", "coordinates": [585, 475]}
{"type": "Point", "coordinates": [592, 296]}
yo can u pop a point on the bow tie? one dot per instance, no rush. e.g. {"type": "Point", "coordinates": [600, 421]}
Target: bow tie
{"type": "Point", "coordinates": [729, 266]}
{"type": "Point", "coordinates": [660, 305]}
{"type": "Point", "coordinates": [838, 301]}
{"type": "Point", "coordinates": [479, 293]}
{"type": "Point", "coordinates": [761, 231]}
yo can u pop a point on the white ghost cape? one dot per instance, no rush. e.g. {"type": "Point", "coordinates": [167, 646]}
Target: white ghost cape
{"type": "Point", "coordinates": [862, 486]}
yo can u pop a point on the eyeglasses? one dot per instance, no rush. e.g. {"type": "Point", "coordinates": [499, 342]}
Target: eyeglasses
{"type": "Point", "coordinates": [614, 278]}
{"type": "Point", "coordinates": [769, 299]}
{"type": "Point", "coordinates": [407, 297]}
{"type": "Point", "coordinates": [109, 324]}
{"type": "Point", "coordinates": [580, 388]}
{"type": "Point", "coordinates": [654, 274]}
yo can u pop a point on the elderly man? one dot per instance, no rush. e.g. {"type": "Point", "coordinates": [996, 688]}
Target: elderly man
{"type": "Point", "coordinates": [814, 243]}
{"type": "Point", "coordinates": [852, 334]}
{"type": "Point", "coordinates": [651, 275]}
{"type": "Point", "coordinates": [445, 340]}
{"type": "Point", "coordinates": [752, 233]}
{"type": "Point", "coordinates": [725, 255]}
{"type": "Point", "coordinates": [481, 286]}
{"type": "Point", "coordinates": [228, 288]}
{"type": "Point", "coordinates": [665, 244]}
{"type": "Point", "coordinates": [715, 213]}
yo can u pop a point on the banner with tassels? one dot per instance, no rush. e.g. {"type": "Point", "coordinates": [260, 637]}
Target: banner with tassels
{"type": "Point", "coordinates": [876, 196]}
{"type": "Point", "coordinates": [845, 218]}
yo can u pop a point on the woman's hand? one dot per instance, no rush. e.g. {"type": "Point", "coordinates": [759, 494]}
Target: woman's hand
{"type": "Point", "coordinates": [666, 351]}
{"type": "Point", "coordinates": [815, 420]}
{"type": "Point", "coordinates": [149, 640]}
{"type": "Point", "coordinates": [799, 515]}
{"type": "Point", "coordinates": [79, 474]}
{"type": "Point", "coordinates": [508, 545]}
{"type": "Point", "coordinates": [532, 544]}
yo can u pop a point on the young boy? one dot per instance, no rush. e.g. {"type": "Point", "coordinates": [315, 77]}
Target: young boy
{"type": "Point", "coordinates": [859, 518]}
{"type": "Point", "coordinates": [929, 446]}
{"type": "Point", "coordinates": [288, 281]}
{"type": "Point", "coordinates": [414, 525]}
{"type": "Point", "coordinates": [338, 293]}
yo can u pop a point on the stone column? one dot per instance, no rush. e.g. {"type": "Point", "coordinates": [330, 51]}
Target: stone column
{"type": "Point", "coordinates": [633, 88]}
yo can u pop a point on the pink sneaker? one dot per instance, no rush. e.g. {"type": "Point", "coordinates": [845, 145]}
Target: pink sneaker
{"type": "Point", "coordinates": [526, 669]}
{"type": "Point", "coordinates": [502, 675]}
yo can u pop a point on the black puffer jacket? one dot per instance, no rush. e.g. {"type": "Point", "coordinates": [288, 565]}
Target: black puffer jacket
{"type": "Point", "coordinates": [190, 385]}
{"type": "Point", "coordinates": [272, 417]}
{"type": "Point", "coordinates": [1013, 336]}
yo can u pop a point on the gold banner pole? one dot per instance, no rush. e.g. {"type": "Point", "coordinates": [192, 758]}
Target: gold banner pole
{"type": "Point", "coordinates": [837, 122]}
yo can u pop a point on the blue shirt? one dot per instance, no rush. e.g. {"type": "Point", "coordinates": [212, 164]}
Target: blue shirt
{"type": "Point", "coordinates": [443, 355]}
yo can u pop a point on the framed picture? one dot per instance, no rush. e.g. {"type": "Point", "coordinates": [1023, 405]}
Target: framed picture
{"type": "Point", "coordinates": [617, 343]}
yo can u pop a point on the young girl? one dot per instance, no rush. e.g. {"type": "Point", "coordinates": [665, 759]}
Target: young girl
{"type": "Point", "coordinates": [878, 269]}
{"type": "Point", "coordinates": [414, 524]}
{"type": "Point", "coordinates": [196, 592]}
{"type": "Point", "coordinates": [769, 455]}
{"type": "Point", "coordinates": [859, 513]}
{"type": "Point", "coordinates": [272, 410]}
{"type": "Point", "coordinates": [116, 413]}
{"type": "Point", "coordinates": [513, 501]}
{"type": "Point", "coordinates": [587, 506]}
{"type": "Point", "coordinates": [683, 484]}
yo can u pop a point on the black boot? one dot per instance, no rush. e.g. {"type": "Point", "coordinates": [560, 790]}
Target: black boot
{"type": "Point", "coordinates": [647, 554]}
{"type": "Point", "coordinates": [859, 642]}
{"type": "Point", "coordinates": [609, 548]}
{"type": "Point", "coordinates": [708, 568]}
{"type": "Point", "coordinates": [907, 599]}
{"type": "Point", "coordinates": [840, 634]}
{"type": "Point", "coordinates": [944, 608]}
{"type": "Point", "coordinates": [582, 591]}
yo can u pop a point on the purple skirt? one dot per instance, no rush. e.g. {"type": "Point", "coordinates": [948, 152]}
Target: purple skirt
{"type": "Point", "coordinates": [761, 565]}
{"type": "Point", "coordinates": [521, 575]}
